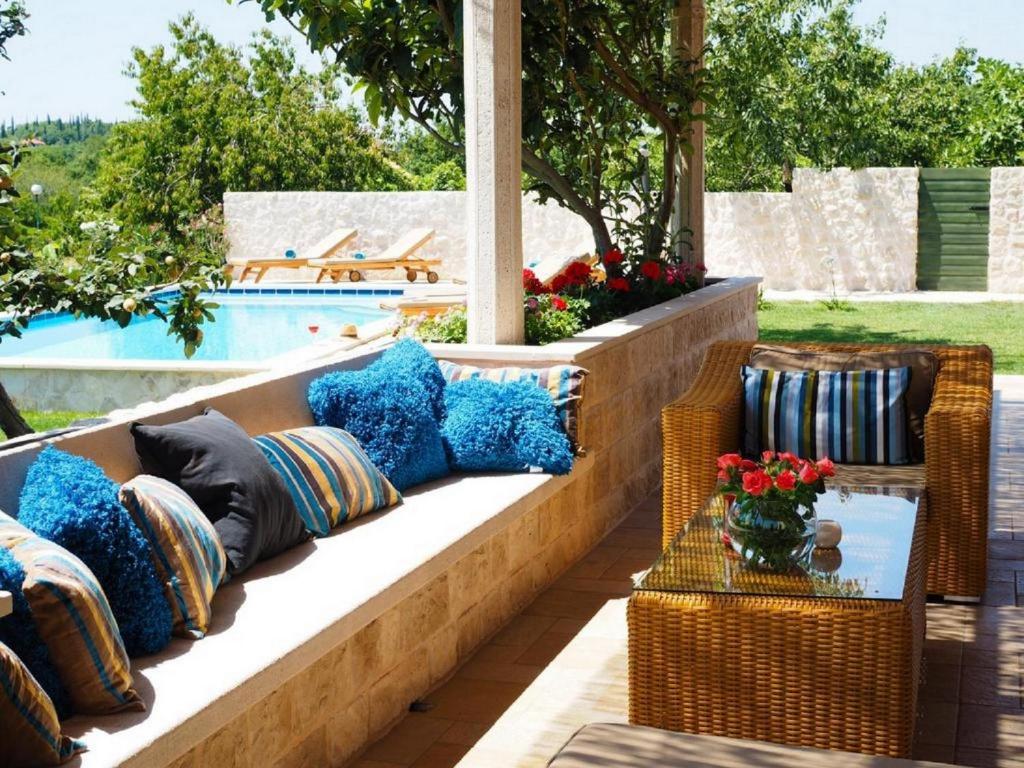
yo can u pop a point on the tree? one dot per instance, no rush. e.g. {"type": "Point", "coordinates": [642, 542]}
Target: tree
{"type": "Point", "coordinates": [213, 119]}
{"type": "Point", "coordinates": [598, 75]}
{"type": "Point", "coordinates": [12, 23]}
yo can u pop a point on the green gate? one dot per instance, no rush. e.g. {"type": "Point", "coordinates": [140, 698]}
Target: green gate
{"type": "Point", "coordinates": [952, 229]}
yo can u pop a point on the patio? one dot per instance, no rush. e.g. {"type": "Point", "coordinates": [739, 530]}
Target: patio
{"type": "Point", "coordinates": [562, 662]}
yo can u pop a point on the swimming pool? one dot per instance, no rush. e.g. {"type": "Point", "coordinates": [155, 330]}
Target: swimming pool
{"type": "Point", "coordinates": [250, 326]}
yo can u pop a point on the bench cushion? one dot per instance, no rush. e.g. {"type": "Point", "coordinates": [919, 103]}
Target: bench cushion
{"type": "Point", "coordinates": [613, 745]}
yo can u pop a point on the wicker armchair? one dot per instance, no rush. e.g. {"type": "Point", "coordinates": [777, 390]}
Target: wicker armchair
{"type": "Point", "coordinates": [707, 422]}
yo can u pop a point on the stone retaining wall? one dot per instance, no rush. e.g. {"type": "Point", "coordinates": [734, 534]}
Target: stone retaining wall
{"type": "Point", "coordinates": [1006, 231]}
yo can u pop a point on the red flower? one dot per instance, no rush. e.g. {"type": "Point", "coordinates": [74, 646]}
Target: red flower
{"type": "Point", "coordinates": [651, 270]}
{"type": "Point", "coordinates": [559, 303]}
{"type": "Point", "coordinates": [723, 475]}
{"type": "Point", "coordinates": [808, 474]}
{"type": "Point", "coordinates": [791, 458]}
{"type": "Point", "coordinates": [613, 256]}
{"type": "Point", "coordinates": [747, 465]}
{"type": "Point", "coordinates": [531, 284]}
{"type": "Point", "coordinates": [786, 481]}
{"type": "Point", "coordinates": [825, 467]}
{"type": "Point", "coordinates": [757, 483]}
{"type": "Point", "coordinates": [559, 283]}
{"type": "Point", "coordinates": [728, 460]}
{"type": "Point", "coordinates": [767, 456]}
{"type": "Point", "coordinates": [618, 284]}
{"type": "Point", "coordinates": [578, 273]}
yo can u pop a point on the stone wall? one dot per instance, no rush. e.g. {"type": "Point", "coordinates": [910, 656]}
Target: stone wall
{"type": "Point", "coordinates": [269, 223]}
{"type": "Point", "coordinates": [864, 222]}
{"type": "Point", "coordinates": [1006, 231]}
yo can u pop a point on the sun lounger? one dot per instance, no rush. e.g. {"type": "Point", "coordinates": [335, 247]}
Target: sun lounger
{"type": "Point", "coordinates": [323, 249]}
{"type": "Point", "coordinates": [426, 305]}
{"type": "Point", "coordinates": [400, 255]}
{"type": "Point", "coordinates": [547, 269]}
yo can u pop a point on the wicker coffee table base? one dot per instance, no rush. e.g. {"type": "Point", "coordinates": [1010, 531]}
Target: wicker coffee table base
{"type": "Point", "coordinates": [830, 673]}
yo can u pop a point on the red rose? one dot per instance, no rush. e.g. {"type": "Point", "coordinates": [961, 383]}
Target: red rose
{"type": "Point", "coordinates": [767, 456]}
{"type": "Point", "coordinates": [729, 460]}
{"type": "Point", "coordinates": [559, 303]}
{"type": "Point", "coordinates": [791, 458]}
{"type": "Point", "coordinates": [723, 475]}
{"type": "Point", "coordinates": [808, 474]}
{"type": "Point", "coordinates": [747, 465]}
{"type": "Point", "coordinates": [786, 481]}
{"type": "Point", "coordinates": [651, 270]}
{"type": "Point", "coordinates": [757, 483]}
{"type": "Point", "coordinates": [825, 467]}
{"type": "Point", "coordinates": [613, 256]}
{"type": "Point", "coordinates": [618, 284]}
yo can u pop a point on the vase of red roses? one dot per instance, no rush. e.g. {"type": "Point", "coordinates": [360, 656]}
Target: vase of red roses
{"type": "Point", "coordinates": [770, 520]}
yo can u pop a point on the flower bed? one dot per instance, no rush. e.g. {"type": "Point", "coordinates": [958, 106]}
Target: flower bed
{"type": "Point", "coordinates": [581, 296]}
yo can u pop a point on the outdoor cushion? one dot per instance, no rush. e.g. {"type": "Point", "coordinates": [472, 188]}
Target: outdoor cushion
{"type": "Point", "coordinates": [564, 383]}
{"type": "Point", "coordinates": [74, 619]}
{"type": "Point", "coordinates": [503, 427]}
{"type": "Point", "coordinates": [184, 547]}
{"type": "Point", "coordinates": [923, 364]}
{"type": "Point", "coordinates": [31, 735]}
{"type": "Point", "coordinates": [216, 463]}
{"type": "Point", "coordinates": [330, 478]}
{"type": "Point", "coordinates": [68, 500]}
{"type": "Point", "coordinates": [18, 632]}
{"type": "Point", "coordinates": [853, 417]}
{"type": "Point", "coordinates": [393, 407]}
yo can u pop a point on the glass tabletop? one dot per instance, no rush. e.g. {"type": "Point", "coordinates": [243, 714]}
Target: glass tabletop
{"type": "Point", "coordinates": [870, 562]}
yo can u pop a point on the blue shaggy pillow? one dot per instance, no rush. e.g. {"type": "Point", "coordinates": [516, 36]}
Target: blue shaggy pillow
{"type": "Point", "coordinates": [68, 500]}
{"type": "Point", "coordinates": [18, 632]}
{"type": "Point", "coordinates": [508, 427]}
{"type": "Point", "coordinates": [391, 407]}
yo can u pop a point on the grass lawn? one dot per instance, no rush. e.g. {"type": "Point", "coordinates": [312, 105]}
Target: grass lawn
{"type": "Point", "coordinates": [998, 324]}
{"type": "Point", "coordinates": [41, 421]}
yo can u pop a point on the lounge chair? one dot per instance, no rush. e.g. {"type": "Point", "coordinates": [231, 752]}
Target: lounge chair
{"type": "Point", "coordinates": [547, 269]}
{"type": "Point", "coordinates": [325, 248]}
{"type": "Point", "coordinates": [426, 305]}
{"type": "Point", "coordinates": [400, 255]}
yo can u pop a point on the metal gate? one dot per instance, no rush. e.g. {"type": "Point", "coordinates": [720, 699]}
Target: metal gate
{"type": "Point", "coordinates": [952, 229]}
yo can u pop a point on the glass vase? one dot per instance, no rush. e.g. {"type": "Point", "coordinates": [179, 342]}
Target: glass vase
{"type": "Point", "coordinates": [771, 534]}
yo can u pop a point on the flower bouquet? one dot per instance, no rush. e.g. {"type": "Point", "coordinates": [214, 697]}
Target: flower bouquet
{"type": "Point", "coordinates": [770, 520]}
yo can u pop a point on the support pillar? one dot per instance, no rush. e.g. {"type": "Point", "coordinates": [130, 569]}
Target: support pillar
{"type": "Point", "coordinates": [493, 89]}
{"type": "Point", "coordinates": [688, 42]}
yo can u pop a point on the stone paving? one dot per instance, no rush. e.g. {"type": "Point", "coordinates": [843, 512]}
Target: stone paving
{"type": "Point", "coordinates": [971, 709]}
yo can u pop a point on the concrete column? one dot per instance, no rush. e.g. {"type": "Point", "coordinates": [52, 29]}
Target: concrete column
{"type": "Point", "coordinates": [493, 75]}
{"type": "Point", "coordinates": [688, 41]}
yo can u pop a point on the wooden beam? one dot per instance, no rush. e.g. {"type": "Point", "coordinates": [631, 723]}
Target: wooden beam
{"type": "Point", "coordinates": [688, 43]}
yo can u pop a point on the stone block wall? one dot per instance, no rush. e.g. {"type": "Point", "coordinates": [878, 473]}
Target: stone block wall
{"type": "Point", "coordinates": [1006, 231]}
{"type": "Point", "coordinates": [341, 703]}
{"type": "Point", "coordinates": [863, 222]}
{"type": "Point", "coordinates": [269, 223]}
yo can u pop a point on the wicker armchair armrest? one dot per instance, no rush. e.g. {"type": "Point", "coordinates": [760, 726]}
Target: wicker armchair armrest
{"type": "Point", "coordinates": [957, 436]}
{"type": "Point", "coordinates": [696, 429]}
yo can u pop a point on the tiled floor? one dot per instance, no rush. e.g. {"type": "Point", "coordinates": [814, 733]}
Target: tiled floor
{"type": "Point", "coordinates": [972, 699]}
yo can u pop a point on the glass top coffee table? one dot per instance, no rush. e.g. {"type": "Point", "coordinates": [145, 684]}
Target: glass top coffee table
{"type": "Point", "coordinates": [825, 656]}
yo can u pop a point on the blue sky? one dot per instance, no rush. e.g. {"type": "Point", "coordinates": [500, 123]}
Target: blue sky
{"type": "Point", "coordinates": [72, 61]}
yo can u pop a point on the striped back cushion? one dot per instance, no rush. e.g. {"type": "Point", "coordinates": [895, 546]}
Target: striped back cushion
{"type": "Point", "coordinates": [30, 736]}
{"type": "Point", "coordinates": [184, 546]}
{"type": "Point", "coordinates": [328, 474]}
{"type": "Point", "coordinates": [564, 383]}
{"type": "Point", "coordinates": [74, 620]}
{"type": "Point", "coordinates": [853, 417]}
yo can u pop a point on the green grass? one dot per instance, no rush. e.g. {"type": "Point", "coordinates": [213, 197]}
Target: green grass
{"type": "Point", "coordinates": [998, 324]}
{"type": "Point", "coordinates": [41, 421]}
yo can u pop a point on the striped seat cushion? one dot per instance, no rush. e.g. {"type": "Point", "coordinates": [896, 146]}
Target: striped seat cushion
{"type": "Point", "coordinates": [564, 383]}
{"type": "Point", "coordinates": [75, 622]}
{"type": "Point", "coordinates": [853, 417]}
{"type": "Point", "coordinates": [30, 736]}
{"type": "Point", "coordinates": [328, 474]}
{"type": "Point", "coordinates": [184, 547]}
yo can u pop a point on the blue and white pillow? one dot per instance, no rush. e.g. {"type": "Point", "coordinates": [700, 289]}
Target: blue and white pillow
{"type": "Point", "coordinates": [853, 417]}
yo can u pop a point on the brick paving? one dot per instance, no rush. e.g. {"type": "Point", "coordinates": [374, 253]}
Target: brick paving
{"type": "Point", "coordinates": [971, 709]}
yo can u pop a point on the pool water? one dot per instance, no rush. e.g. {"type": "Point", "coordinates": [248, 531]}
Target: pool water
{"type": "Point", "coordinates": [248, 328]}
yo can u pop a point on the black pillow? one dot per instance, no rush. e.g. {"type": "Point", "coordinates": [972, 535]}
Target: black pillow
{"type": "Point", "coordinates": [215, 462]}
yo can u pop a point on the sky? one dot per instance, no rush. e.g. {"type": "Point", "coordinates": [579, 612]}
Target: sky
{"type": "Point", "coordinates": [72, 61]}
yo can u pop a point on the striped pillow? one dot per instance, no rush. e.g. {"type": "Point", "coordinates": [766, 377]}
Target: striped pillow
{"type": "Point", "coordinates": [75, 622]}
{"type": "Point", "coordinates": [30, 736]}
{"type": "Point", "coordinates": [329, 475]}
{"type": "Point", "coordinates": [853, 417]}
{"type": "Point", "coordinates": [563, 382]}
{"type": "Point", "coordinates": [184, 546]}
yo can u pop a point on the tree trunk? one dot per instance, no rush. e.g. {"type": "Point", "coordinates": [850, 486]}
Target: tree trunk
{"type": "Point", "coordinates": [11, 421]}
